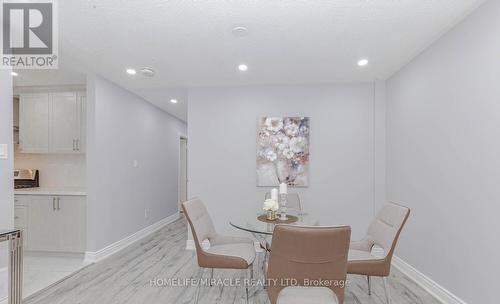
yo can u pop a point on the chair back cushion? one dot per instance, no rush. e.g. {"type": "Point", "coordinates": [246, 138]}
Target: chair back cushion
{"type": "Point", "coordinates": [201, 224]}
{"type": "Point", "coordinates": [306, 254]}
{"type": "Point", "coordinates": [385, 229]}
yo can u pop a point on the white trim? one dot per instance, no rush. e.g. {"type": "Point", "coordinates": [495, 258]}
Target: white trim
{"type": "Point", "coordinates": [436, 290]}
{"type": "Point", "coordinates": [181, 136]}
{"type": "Point", "coordinates": [4, 273]}
{"type": "Point", "coordinates": [206, 244]}
{"type": "Point", "coordinates": [92, 257]}
{"type": "Point", "coordinates": [190, 245]}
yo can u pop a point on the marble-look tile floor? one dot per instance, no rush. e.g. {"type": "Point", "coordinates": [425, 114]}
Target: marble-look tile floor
{"type": "Point", "coordinates": [43, 270]}
{"type": "Point", "coordinates": [125, 278]}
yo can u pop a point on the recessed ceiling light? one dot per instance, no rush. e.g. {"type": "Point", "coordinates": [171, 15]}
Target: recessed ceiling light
{"type": "Point", "coordinates": [242, 67]}
{"type": "Point", "coordinates": [14, 74]}
{"type": "Point", "coordinates": [240, 31]}
{"type": "Point", "coordinates": [147, 71]}
{"type": "Point", "coordinates": [362, 62]}
{"type": "Point", "coordinates": [173, 100]}
{"type": "Point", "coordinates": [131, 71]}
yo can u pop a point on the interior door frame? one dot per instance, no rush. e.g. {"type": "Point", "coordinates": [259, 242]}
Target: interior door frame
{"type": "Point", "coordinates": [181, 137]}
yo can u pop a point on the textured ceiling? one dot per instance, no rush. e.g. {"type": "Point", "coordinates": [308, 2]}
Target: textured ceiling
{"type": "Point", "coordinates": [189, 43]}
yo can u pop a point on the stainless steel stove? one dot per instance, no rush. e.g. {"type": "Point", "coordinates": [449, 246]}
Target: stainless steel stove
{"type": "Point", "coordinates": [26, 178]}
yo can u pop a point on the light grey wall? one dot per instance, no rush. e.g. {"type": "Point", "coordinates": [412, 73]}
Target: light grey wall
{"type": "Point", "coordinates": [222, 148]}
{"type": "Point", "coordinates": [444, 157]}
{"type": "Point", "coordinates": [6, 167]}
{"type": "Point", "coordinates": [380, 145]}
{"type": "Point", "coordinates": [123, 128]}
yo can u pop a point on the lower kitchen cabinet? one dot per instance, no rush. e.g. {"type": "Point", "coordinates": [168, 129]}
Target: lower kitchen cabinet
{"type": "Point", "coordinates": [71, 211]}
{"type": "Point", "coordinates": [21, 221]}
{"type": "Point", "coordinates": [53, 223]}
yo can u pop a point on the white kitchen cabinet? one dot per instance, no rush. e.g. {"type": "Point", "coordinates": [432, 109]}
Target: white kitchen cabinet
{"type": "Point", "coordinates": [43, 229]}
{"type": "Point", "coordinates": [52, 122]}
{"type": "Point", "coordinates": [64, 119]}
{"type": "Point", "coordinates": [34, 123]}
{"type": "Point", "coordinates": [21, 221]}
{"type": "Point", "coordinates": [71, 211]}
{"type": "Point", "coordinates": [53, 223]}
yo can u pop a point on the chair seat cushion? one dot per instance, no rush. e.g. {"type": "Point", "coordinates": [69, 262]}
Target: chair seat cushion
{"type": "Point", "coordinates": [245, 251]}
{"type": "Point", "coordinates": [309, 295]}
{"type": "Point", "coordinates": [361, 255]}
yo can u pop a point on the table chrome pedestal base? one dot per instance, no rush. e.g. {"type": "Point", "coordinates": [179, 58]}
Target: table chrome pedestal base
{"type": "Point", "coordinates": [15, 239]}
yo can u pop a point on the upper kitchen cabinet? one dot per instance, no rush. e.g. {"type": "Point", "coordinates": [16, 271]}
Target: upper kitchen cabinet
{"type": "Point", "coordinates": [64, 120]}
{"type": "Point", "coordinates": [34, 123]}
{"type": "Point", "coordinates": [52, 122]}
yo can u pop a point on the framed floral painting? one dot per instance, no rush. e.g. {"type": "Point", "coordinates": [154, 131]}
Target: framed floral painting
{"type": "Point", "coordinates": [283, 151]}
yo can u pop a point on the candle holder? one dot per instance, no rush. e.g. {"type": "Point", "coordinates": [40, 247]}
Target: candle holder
{"type": "Point", "coordinates": [283, 197]}
{"type": "Point", "coordinates": [271, 215]}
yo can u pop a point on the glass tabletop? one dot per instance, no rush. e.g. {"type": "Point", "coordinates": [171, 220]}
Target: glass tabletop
{"type": "Point", "coordinates": [4, 233]}
{"type": "Point", "coordinates": [250, 222]}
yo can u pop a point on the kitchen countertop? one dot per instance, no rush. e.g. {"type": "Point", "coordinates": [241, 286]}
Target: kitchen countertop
{"type": "Point", "coordinates": [51, 191]}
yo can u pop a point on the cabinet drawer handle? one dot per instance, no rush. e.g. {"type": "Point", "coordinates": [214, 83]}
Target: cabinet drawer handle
{"type": "Point", "coordinates": [53, 204]}
{"type": "Point", "coordinates": [74, 145]}
{"type": "Point", "coordinates": [58, 203]}
{"type": "Point", "coordinates": [77, 145]}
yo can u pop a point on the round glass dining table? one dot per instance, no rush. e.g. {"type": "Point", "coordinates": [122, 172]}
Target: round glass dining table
{"type": "Point", "coordinates": [251, 224]}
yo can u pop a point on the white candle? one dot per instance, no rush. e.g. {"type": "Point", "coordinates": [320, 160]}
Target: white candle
{"type": "Point", "coordinates": [274, 194]}
{"type": "Point", "coordinates": [283, 188]}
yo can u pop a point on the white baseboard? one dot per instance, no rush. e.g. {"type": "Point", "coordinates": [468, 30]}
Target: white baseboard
{"type": "Point", "coordinates": [438, 291]}
{"type": "Point", "coordinates": [206, 244]}
{"type": "Point", "coordinates": [4, 284]}
{"type": "Point", "coordinates": [95, 256]}
{"type": "Point", "coordinates": [189, 245]}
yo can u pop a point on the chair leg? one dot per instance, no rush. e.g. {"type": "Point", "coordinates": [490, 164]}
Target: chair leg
{"type": "Point", "coordinates": [250, 277]}
{"type": "Point", "coordinates": [246, 293]}
{"type": "Point", "coordinates": [266, 257]}
{"type": "Point", "coordinates": [369, 285]}
{"type": "Point", "coordinates": [387, 293]}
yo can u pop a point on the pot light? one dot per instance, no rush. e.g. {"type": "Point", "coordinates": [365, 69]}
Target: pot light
{"type": "Point", "coordinates": [147, 71]}
{"type": "Point", "coordinates": [242, 67]}
{"type": "Point", "coordinates": [131, 71]}
{"type": "Point", "coordinates": [362, 62]}
{"type": "Point", "coordinates": [240, 31]}
{"type": "Point", "coordinates": [14, 74]}
{"type": "Point", "coordinates": [173, 100]}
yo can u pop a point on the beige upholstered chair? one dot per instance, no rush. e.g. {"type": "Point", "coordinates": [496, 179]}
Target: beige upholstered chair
{"type": "Point", "coordinates": [225, 251]}
{"type": "Point", "coordinates": [308, 254]}
{"type": "Point", "coordinates": [383, 232]}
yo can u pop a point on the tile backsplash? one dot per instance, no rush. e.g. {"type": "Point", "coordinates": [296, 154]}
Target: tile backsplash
{"type": "Point", "coordinates": [56, 170]}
